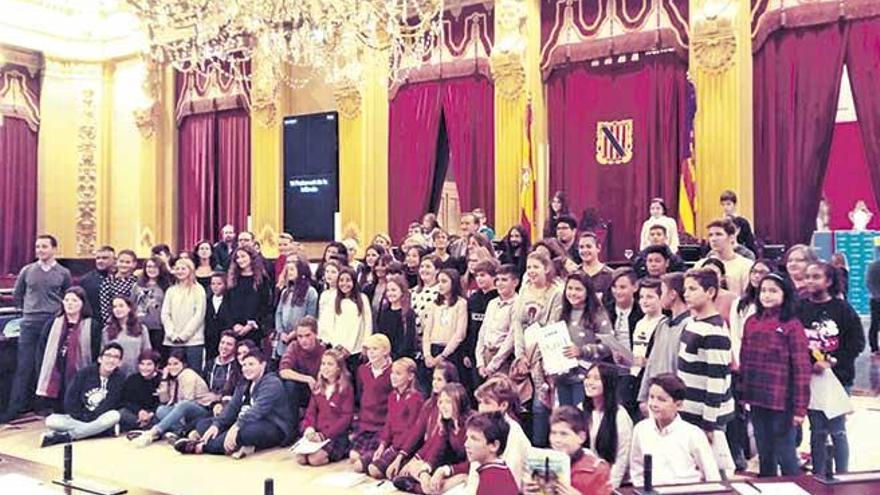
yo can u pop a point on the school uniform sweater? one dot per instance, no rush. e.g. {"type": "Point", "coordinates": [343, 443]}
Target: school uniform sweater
{"type": "Point", "coordinates": [374, 397]}
{"type": "Point", "coordinates": [331, 416]}
{"type": "Point", "coordinates": [403, 411]}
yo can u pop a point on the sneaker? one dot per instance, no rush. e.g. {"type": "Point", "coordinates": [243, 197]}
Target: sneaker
{"type": "Point", "coordinates": [194, 436]}
{"type": "Point", "coordinates": [244, 452]}
{"type": "Point", "coordinates": [185, 446]}
{"type": "Point", "coordinates": [171, 437]}
{"type": "Point", "coordinates": [133, 434]}
{"type": "Point", "coordinates": [143, 441]}
{"type": "Point", "coordinates": [50, 439]}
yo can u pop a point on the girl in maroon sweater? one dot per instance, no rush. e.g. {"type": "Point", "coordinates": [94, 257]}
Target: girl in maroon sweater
{"type": "Point", "coordinates": [444, 440]}
{"type": "Point", "coordinates": [374, 382]}
{"type": "Point", "coordinates": [444, 373]}
{"type": "Point", "coordinates": [775, 370]}
{"type": "Point", "coordinates": [404, 405]}
{"type": "Point", "coordinates": [330, 411]}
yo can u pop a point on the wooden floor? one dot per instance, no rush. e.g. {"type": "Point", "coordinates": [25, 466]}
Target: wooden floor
{"type": "Point", "coordinates": [160, 468]}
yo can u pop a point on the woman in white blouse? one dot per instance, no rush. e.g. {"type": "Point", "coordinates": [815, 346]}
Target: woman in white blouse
{"type": "Point", "coordinates": [350, 319]}
{"type": "Point", "coordinates": [609, 425]}
{"type": "Point", "coordinates": [446, 326]}
{"type": "Point", "coordinates": [658, 217]}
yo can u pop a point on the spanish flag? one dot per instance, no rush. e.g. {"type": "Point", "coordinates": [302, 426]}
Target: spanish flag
{"type": "Point", "coordinates": [527, 177]}
{"type": "Point", "coordinates": [687, 185]}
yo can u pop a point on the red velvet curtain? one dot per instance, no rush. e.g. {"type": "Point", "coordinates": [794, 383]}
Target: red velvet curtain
{"type": "Point", "coordinates": [197, 152]}
{"type": "Point", "coordinates": [18, 194]}
{"type": "Point", "coordinates": [863, 64]}
{"type": "Point", "coordinates": [652, 94]}
{"type": "Point", "coordinates": [796, 84]}
{"type": "Point", "coordinates": [847, 178]}
{"type": "Point", "coordinates": [469, 110]}
{"type": "Point", "coordinates": [233, 168]}
{"type": "Point", "coordinates": [414, 123]}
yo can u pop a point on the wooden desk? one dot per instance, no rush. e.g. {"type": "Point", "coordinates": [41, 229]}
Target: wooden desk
{"type": "Point", "coordinates": [45, 473]}
{"type": "Point", "coordinates": [806, 482]}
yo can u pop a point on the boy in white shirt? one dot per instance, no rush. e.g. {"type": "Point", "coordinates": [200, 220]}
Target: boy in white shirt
{"type": "Point", "coordinates": [680, 450]}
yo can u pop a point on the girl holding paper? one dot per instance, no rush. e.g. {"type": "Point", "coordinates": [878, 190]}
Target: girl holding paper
{"type": "Point", "coordinates": [836, 338]}
{"type": "Point", "coordinates": [539, 302]}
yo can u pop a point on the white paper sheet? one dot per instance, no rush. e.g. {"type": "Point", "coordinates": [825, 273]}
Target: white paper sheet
{"type": "Point", "coordinates": [552, 340]}
{"type": "Point", "coordinates": [828, 395]}
{"type": "Point", "coordinates": [306, 447]}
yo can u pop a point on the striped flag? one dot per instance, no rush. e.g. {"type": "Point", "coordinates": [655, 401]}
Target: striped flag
{"type": "Point", "coordinates": [687, 186]}
{"type": "Point", "coordinates": [527, 178]}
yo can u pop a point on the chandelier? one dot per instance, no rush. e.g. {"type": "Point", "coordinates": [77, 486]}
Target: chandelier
{"type": "Point", "coordinates": [294, 41]}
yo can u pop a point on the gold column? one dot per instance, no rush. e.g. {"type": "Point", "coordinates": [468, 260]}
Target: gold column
{"type": "Point", "coordinates": [68, 190]}
{"type": "Point", "coordinates": [267, 186]}
{"type": "Point", "coordinates": [721, 68]}
{"type": "Point", "coordinates": [515, 69]}
{"type": "Point", "coordinates": [363, 149]}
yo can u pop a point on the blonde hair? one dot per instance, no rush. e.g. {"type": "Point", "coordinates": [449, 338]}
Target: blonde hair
{"type": "Point", "coordinates": [191, 279]}
{"type": "Point", "coordinates": [409, 366]}
{"type": "Point", "coordinates": [378, 340]}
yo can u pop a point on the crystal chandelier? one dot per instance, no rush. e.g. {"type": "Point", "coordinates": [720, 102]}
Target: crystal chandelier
{"type": "Point", "coordinates": [295, 40]}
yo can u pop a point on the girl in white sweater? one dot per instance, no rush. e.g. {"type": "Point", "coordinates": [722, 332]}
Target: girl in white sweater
{"type": "Point", "coordinates": [351, 320]}
{"type": "Point", "coordinates": [183, 314]}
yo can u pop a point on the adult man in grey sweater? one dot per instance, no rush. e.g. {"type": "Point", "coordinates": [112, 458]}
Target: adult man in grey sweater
{"type": "Point", "coordinates": [39, 290]}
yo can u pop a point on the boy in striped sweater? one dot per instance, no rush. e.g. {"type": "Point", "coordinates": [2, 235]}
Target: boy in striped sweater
{"type": "Point", "coordinates": [704, 363]}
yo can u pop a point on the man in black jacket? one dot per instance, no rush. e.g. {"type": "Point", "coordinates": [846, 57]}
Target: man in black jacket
{"type": "Point", "coordinates": [257, 417]}
{"type": "Point", "coordinates": [91, 401]}
{"type": "Point", "coordinates": [105, 263]}
{"type": "Point", "coordinates": [223, 248]}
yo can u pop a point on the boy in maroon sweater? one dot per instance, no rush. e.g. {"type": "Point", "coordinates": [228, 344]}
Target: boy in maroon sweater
{"type": "Point", "coordinates": [374, 382]}
{"type": "Point", "coordinates": [486, 439]}
{"type": "Point", "coordinates": [299, 365]}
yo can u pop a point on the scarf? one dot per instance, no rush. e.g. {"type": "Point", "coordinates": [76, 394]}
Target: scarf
{"type": "Point", "coordinates": [68, 349]}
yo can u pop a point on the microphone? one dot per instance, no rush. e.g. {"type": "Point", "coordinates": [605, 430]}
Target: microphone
{"type": "Point", "coordinates": [269, 486]}
{"type": "Point", "coordinates": [649, 474]}
{"type": "Point", "coordinates": [68, 462]}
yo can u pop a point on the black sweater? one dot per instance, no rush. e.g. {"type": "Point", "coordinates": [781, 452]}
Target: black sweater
{"type": "Point", "coordinates": [247, 303]}
{"type": "Point", "coordinates": [402, 336]}
{"type": "Point", "coordinates": [139, 393]}
{"type": "Point", "coordinates": [834, 329]}
{"type": "Point", "coordinates": [87, 397]}
{"type": "Point", "coordinates": [476, 306]}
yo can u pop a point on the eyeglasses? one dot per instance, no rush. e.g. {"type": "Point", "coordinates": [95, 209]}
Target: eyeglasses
{"type": "Point", "coordinates": [113, 355]}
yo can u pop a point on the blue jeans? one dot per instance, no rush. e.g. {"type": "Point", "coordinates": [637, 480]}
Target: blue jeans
{"type": "Point", "coordinates": [64, 423]}
{"type": "Point", "coordinates": [775, 437]}
{"type": "Point", "coordinates": [261, 434]}
{"type": "Point", "coordinates": [540, 421]}
{"type": "Point", "coordinates": [820, 428]}
{"type": "Point", "coordinates": [570, 393]}
{"type": "Point", "coordinates": [24, 381]}
{"type": "Point", "coordinates": [195, 356]}
{"type": "Point", "coordinates": [174, 417]}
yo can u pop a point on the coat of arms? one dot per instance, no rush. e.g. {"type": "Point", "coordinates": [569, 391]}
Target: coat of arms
{"type": "Point", "coordinates": [614, 142]}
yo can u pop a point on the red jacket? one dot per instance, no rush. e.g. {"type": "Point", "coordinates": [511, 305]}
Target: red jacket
{"type": "Point", "coordinates": [374, 397]}
{"type": "Point", "coordinates": [775, 365]}
{"type": "Point", "coordinates": [298, 359]}
{"type": "Point", "coordinates": [330, 417]}
{"type": "Point", "coordinates": [496, 479]}
{"type": "Point", "coordinates": [591, 475]}
{"type": "Point", "coordinates": [403, 412]}
{"type": "Point", "coordinates": [443, 446]}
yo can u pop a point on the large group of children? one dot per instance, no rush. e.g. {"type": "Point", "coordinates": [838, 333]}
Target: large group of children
{"type": "Point", "coordinates": [424, 364]}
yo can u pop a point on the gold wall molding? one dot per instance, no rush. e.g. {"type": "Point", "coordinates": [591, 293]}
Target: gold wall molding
{"type": "Point", "coordinates": [348, 100]}
{"type": "Point", "coordinates": [147, 118]}
{"type": "Point", "coordinates": [147, 239]}
{"type": "Point", "coordinates": [509, 74]}
{"type": "Point", "coordinates": [72, 70]}
{"type": "Point", "coordinates": [714, 43]}
{"type": "Point", "coordinates": [87, 183]}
